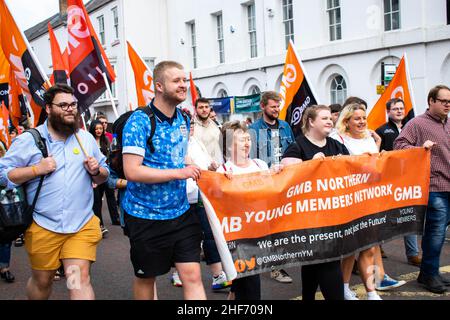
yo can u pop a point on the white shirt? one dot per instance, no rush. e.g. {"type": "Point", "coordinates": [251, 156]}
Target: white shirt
{"type": "Point", "coordinates": [357, 146]}
{"type": "Point", "coordinates": [256, 165]}
{"type": "Point", "coordinates": [209, 135]}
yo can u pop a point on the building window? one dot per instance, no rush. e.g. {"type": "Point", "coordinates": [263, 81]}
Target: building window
{"type": "Point", "coordinates": [334, 18]}
{"type": "Point", "coordinates": [198, 92]}
{"type": "Point", "coordinates": [219, 19]}
{"type": "Point", "coordinates": [254, 90]}
{"type": "Point", "coordinates": [338, 90]}
{"type": "Point", "coordinates": [448, 11]}
{"type": "Point", "coordinates": [113, 86]}
{"type": "Point", "coordinates": [288, 21]}
{"type": "Point", "coordinates": [252, 30]}
{"type": "Point", "coordinates": [391, 15]}
{"type": "Point", "coordinates": [101, 29]}
{"type": "Point", "coordinates": [116, 22]}
{"type": "Point", "coordinates": [193, 44]}
{"type": "Point", "coordinates": [222, 93]}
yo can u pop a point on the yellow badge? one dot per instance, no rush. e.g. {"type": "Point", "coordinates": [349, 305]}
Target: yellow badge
{"type": "Point", "coordinates": [76, 151]}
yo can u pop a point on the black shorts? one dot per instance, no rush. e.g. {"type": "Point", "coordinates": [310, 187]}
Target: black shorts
{"type": "Point", "coordinates": [156, 245]}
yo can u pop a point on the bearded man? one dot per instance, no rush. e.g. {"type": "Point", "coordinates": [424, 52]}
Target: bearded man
{"type": "Point", "coordinates": [63, 230]}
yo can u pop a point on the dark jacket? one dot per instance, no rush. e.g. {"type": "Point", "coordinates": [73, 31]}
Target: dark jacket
{"type": "Point", "coordinates": [388, 133]}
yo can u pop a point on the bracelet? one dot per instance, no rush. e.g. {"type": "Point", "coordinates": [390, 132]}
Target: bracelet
{"type": "Point", "coordinates": [97, 174]}
{"type": "Point", "coordinates": [34, 169]}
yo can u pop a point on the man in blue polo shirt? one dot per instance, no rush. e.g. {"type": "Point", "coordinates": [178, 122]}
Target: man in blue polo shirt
{"type": "Point", "coordinates": [161, 228]}
{"type": "Point", "coordinates": [64, 229]}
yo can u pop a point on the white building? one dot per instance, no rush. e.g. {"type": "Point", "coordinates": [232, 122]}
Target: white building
{"type": "Point", "coordinates": [238, 47]}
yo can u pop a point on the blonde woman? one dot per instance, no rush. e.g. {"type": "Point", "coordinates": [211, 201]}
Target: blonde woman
{"type": "Point", "coordinates": [353, 133]}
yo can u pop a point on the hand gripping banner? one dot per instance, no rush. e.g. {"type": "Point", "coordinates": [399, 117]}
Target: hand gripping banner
{"type": "Point", "coordinates": [316, 211]}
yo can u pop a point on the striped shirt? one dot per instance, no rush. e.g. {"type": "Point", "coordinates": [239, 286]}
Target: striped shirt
{"type": "Point", "coordinates": [429, 127]}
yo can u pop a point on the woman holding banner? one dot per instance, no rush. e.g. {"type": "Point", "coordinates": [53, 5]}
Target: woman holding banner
{"type": "Point", "coordinates": [315, 144]}
{"type": "Point", "coordinates": [236, 146]}
{"type": "Point", "coordinates": [353, 133]}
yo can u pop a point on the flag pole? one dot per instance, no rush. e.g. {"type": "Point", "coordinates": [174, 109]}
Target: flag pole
{"type": "Point", "coordinates": [30, 50]}
{"type": "Point", "coordinates": [111, 98]}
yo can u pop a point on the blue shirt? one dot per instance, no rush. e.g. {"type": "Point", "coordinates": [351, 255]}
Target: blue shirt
{"type": "Point", "coordinates": [65, 202]}
{"type": "Point", "coordinates": [263, 136]}
{"type": "Point", "coordinates": [159, 201]}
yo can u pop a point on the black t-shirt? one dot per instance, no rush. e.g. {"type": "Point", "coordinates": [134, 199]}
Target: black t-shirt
{"type": "Point", "coordinates": [273, 126]}
{"type": "Point", "coordinates": [304, 149]}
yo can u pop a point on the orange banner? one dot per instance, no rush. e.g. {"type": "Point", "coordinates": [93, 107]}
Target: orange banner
{"type": "Point", "coordinates": [317, 193]}
{"type": "Point", "coordinates": [398, 88]}
{"type": "Point", "coordinates": [143, 77]}
{"type": "Point", "coordinates": [293, 77]}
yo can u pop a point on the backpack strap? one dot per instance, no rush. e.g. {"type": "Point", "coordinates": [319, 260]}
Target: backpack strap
{"type": "Point", "coordinates": [149, 112]}
{"type": "Point", "coordinates": [40, 143]}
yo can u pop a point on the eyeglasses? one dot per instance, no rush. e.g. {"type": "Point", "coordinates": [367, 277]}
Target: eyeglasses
{"type": "Point", "coordinates": [444, 102]}
{"type": "Point", "coordinates": [65, 106]}
{"type": "Point", "coordinates": [103, 122]}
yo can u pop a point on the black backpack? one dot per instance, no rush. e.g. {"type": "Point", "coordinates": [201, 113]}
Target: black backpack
{"type": "Point", "coordinates": [115, 156]}
{"type": "Point", "coordinates": [16, 214]}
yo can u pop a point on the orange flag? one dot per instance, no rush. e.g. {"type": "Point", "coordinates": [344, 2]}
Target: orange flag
{"type": "Point", "coordinates": [15, 47]}
{"type": "Point", "coordinates": [194, 93]}
{"type": "Point", "coordinates": [4, 127]}
{"type": "Point", "coordinates": [295, 91]}
{"type": "Point", "coordinates": [143, 78]}
{"type": "Point", "coordinates": [4, 78]}
{"type": "Point", "coordinates": [60, 68]}
{"type": "Point", "coordinates": [398, 88]}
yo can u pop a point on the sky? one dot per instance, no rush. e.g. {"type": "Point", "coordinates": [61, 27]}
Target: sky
{"type": "Point", "coordinates": [28, 13]}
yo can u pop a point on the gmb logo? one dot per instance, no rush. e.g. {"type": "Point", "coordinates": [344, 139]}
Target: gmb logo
{"type": "Point", "coordinates": [244, 265]}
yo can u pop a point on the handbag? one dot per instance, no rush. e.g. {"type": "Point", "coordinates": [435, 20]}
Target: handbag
{"type": "Point", "coordinates": [16, 215]}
